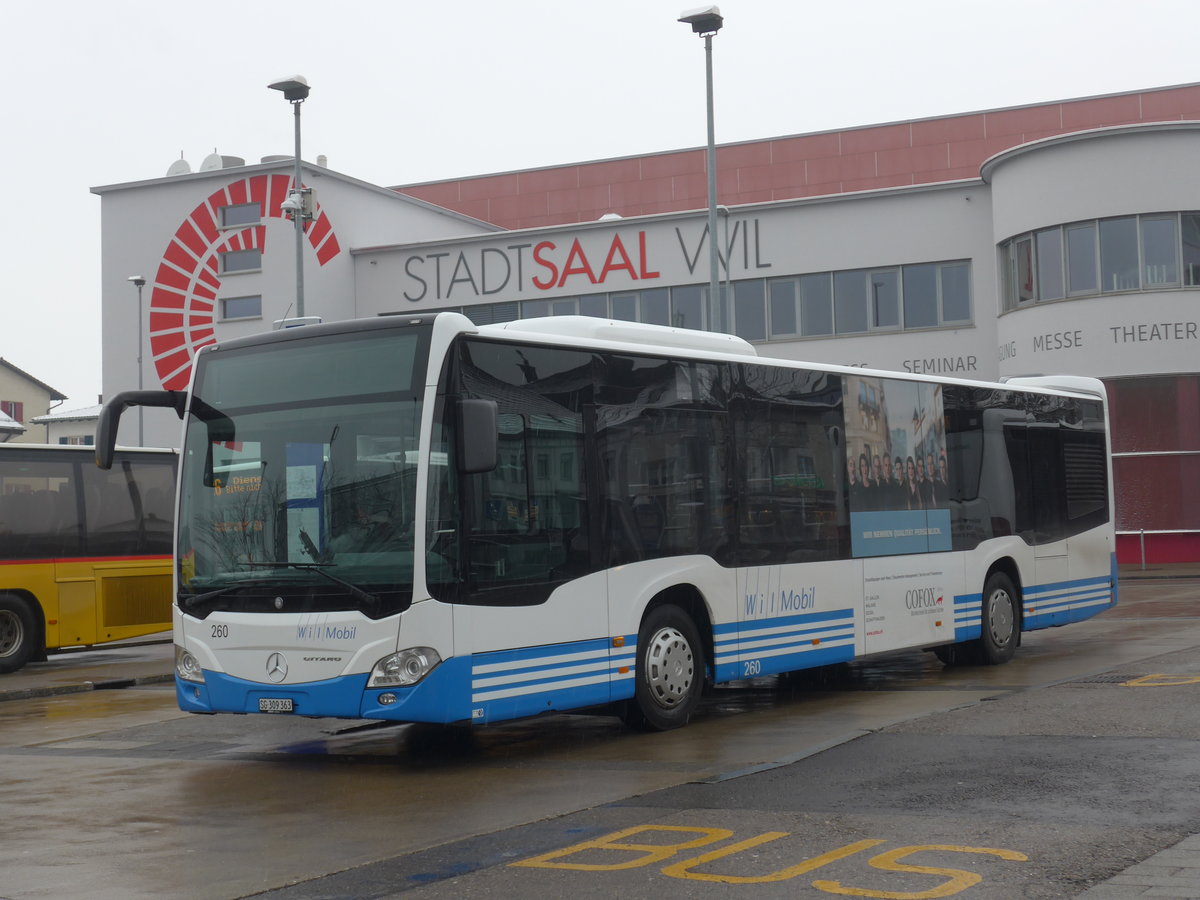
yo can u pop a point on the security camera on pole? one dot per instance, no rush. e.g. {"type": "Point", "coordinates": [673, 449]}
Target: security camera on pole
{"type": "Point", "coordinates": [297, 206]}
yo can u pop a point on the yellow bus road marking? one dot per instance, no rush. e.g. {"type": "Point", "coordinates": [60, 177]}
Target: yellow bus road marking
{"type": "Point", "coordinates": [651, 852]}
{"type": "Point", "coordinates": [1162, 681]}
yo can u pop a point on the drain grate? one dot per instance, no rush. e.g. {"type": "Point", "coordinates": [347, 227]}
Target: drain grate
{"type": "Point", "coordinates": [1106, 678]}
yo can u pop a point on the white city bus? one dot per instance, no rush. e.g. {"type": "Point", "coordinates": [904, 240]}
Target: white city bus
{"type": "Point", "coordinates": [422, 520]}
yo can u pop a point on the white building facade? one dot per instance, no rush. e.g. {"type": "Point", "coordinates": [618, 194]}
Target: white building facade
{"type": "Point", "coordinates": [1077, 253]}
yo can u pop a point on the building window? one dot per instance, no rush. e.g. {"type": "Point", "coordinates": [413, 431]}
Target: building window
{"type": "Point", "coordinates": [1081, 259]}
{"type": "Point", "coordinates": [782, 308]}
{"type": "Point", "coordinates": [687, 306]}
{"type": "Point", "coordinates": [240, 214]}
{"type": "Point", "coordinates": [1152, 252]}
{"type": "Point", "coordinates": [624, 307]}
{"type": "Point", "coordinates": [241, 261]}
{"type": "Point", "coordinates": [955, 282]}
{"type": "Point", "coordinates": [1191, 249]}
{"type": "Point", "coordinates": [749, 314]}
{"type": "Point", "coordinates": [1160, 252]}
{"type": "Point", "coordinates": [1049, 248]}
{"type": "Point", "coordinates": [860, 301]}
{"type": "Point", "coordinates": [84, 440]}
{"type": "Point", "coordinates": [1119, 255]}
{"type": "Point", "coordinates": [14, 409]}
{"type": "Point", "coordinates": [885, 299]}
{"type": "Point", "coordinates": [241, 308]}
{"type": "Point", "coordinates": [656, 306]}
{"type": "Point", "coordinates": [816, 304]}
{"type": "Point", "coordinates": [850, 302]}
{"type": "Point", "coordinates": [920, 296]}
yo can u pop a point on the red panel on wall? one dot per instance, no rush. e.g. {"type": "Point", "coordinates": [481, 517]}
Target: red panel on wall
{"type": "Point", "coordinates": [809, 146]}
{"type": "Point", "coordinates": [611, 171]}
{"type": "Point", "coordinates": [834, 158]}
{"type": "Point", "coordinates": [543, 180]}
{"type": "Point", "coordinates": [1155, 413]}
{"type": "Point", "coordinates": [908, 160]}
{"type": "Point", "coordinates": [739, 155]}
{"type": "Point", "coordinates": [1101, 111]}
{"type": "Point", "coordinates": [491, 186]}
{"type": "Point", "coordinates": [881, 137]}
{"type": "Point", "coordinates": [780, 175]}
{"type": "Point", "coordinates": [1179, 103]}
{"type": "Point", "coordinates": [444, 193]}
{"type": "Point", "coordinates": [954, 128]}
{"type": "Point", "coordinates": [237, 193]}
{"type": "Point", "coordinates": [1157, 549]}
{"type": "Point", "coordinates": [841, 168]}
{"type": "Point", "coordinates": [668, 164]}
{"type": "Point", "coordinates": [1018, 121]}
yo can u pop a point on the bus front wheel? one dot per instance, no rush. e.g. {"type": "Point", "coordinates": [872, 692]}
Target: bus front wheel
{"type": "Point", "coordinates": [670, 671]}
{"type": "Point", "coordinates": [1001, 621]}
{"type": "Point", "coordinates": [18, 633]}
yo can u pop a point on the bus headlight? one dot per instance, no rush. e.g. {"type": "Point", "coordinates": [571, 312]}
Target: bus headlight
{"type": "Point", "coordinates": [187, 666]}
{"type": "Point", "coordinates": [404, 668]}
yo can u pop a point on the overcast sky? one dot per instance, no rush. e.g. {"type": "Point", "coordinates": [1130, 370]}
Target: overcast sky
{"type": "Point", "coordinates": [406, 91]}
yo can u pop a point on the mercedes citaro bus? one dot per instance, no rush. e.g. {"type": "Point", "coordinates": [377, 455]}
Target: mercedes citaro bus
{"type": "Point", "coordinates": [419, 519]}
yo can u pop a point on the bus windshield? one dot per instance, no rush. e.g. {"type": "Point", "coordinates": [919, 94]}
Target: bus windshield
{"type": "Point", "coordinates": [299, 474]}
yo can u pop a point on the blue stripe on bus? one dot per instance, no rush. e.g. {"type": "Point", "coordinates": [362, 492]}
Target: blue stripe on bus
{"type": "Point", "coordinates": [1043, 605]}
{"type": "Point", "coordinates": [782, 643]}
{"type": "Point", "coordinates": [530, 680]}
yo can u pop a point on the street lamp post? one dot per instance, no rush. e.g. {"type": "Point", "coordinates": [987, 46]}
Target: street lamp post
{"type": "Point", "coordinates": [139, 282]}
{"type": "Point", "coordinates": [295, 90]}
{"type": "Point", "coordinates": [707, 21]}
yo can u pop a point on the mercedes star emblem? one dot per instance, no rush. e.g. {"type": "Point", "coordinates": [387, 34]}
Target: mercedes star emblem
{"type": "Point", "coordinates": [276, 667]}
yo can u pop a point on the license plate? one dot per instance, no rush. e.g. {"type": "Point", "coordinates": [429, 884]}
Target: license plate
{"type": "Point", "coordinates": [275, 704]}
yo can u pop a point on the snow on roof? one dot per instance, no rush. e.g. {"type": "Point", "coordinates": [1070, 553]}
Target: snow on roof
{"type": "Point", "coordinates": [9, 425]}
{"type": "Point", "coordinates": [69, 415]}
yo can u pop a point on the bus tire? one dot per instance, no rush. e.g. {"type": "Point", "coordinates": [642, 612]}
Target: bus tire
{"type": "Point", "coordinates": [1001, 624]}
{"type": "Point", "coordinates": [18, 633]}
{"type": "Point", "coordinates": [669, 677]}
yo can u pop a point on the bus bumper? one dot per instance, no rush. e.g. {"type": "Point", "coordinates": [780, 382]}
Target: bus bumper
{"type": "Point", "coordinates": [439, 698]}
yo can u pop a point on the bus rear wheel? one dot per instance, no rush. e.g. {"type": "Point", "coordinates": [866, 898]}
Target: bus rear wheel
{"type": "Point", "coordinates": [18, 633]}
{"type": "Point", "coordinates": [670, 671]}
{"type": "Point", "coordinates": [1001, 621]}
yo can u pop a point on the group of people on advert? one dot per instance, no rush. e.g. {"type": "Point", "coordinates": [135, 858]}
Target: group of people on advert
{"type": "Point", "coordinates": [879, 482]}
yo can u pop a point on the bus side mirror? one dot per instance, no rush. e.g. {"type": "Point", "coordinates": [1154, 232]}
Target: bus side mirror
{"type": "Point", "coordinates": [478, 436]}
{"type": "Point", "coordinates": [110, 417]}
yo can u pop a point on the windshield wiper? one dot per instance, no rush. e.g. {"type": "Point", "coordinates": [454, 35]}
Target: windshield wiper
{"type": "Point", "coordinates": [366, 597]}
{"type": "Point", "coordinates": [190, 604]}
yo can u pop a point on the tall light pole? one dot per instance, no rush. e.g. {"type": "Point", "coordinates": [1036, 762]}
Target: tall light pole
{"type": "Point", "coordinates": [295, 90]}
{"type": "Point", "coordinates": [707, 21]}
{"type": "Point", "coordinates": [139, 282]}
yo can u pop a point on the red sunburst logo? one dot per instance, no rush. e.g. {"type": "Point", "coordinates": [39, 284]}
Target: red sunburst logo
{"type": "Point", "coordinates": [184, 299]}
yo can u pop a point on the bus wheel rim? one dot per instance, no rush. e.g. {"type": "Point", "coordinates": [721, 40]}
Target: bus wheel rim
{"type": "Point", "coordinates": [11, 632]}
{"type": "Point", "coordinates": [670, 668]}
{"type": "Point", "coordinates": [1000, 617]}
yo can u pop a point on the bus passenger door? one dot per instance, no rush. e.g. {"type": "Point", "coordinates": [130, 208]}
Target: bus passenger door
{"type": "Point", "coordinates": [1047, 508]}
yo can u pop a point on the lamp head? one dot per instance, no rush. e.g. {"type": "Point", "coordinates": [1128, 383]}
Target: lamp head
{"type": "Point", "coordinates": [704, 19]}
{"type": "Point", "coordinates": [294, 88]}
{"type": "Point", "coordinates": [138, 280]}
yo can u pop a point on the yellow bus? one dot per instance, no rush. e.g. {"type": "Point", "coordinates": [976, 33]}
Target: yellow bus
{"type": "Point", "coordinates": [85, 554]}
